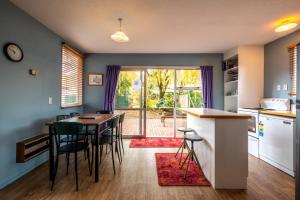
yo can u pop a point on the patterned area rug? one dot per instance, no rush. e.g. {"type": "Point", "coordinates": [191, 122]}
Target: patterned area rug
{"type": "Point", "coordinates": [156, 143]}
{"type": "Point", "coordinates": [170, 174]}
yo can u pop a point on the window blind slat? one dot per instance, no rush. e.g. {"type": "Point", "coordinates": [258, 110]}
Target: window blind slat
{"type": "Point", "coordinates": [71, 81]}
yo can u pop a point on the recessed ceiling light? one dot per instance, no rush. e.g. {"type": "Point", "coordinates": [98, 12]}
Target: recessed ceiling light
{"type": "Point", "coordinates": [285, 26]}
{"type": "Point", "coordinates": [120, 36]}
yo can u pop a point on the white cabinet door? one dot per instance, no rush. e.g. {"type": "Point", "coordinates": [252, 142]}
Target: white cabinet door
{"type": "Point", "coordinates": [276, 142]}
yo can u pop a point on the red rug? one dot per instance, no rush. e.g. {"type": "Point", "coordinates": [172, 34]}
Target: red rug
{"type": "Point", "coordinates": [170, 174]}
{"type": "Point", "coordinates": [156, 143]}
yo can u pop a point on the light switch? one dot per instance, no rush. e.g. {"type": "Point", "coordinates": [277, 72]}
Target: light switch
{"type": "Point", "coordinates": [285, 87]}
{"type": "Point", "coordinates": [278, 88]}
{"type": "Point", "coordinates": [50, 100]}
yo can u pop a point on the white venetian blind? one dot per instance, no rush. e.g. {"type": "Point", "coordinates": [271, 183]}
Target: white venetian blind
{"type": "Point", "coordinates": [71, 82]}
{"type": "Point", "coordinates": [293, 69]}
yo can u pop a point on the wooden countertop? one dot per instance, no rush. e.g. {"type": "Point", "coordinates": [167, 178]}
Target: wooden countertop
{"type": "Point", "coordinates": [213, 113]}
{"type": "Point", "coordinates": [279, 113]}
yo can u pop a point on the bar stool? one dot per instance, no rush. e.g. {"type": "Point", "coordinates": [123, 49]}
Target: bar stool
{"type": "Point", "coordinates": [191, 155]}
{"type": "Point", "coordinates": [183, 144]}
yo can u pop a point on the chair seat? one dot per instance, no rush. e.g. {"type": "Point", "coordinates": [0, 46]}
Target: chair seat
{"type": "Point", "coordinates": [72, 139]}
{"type": "Point", "coordinates": [74, 147]}
{"type": "Point", "coordinates": [193, 137]}
{"type": "Point", "coordinates": [184, 129]}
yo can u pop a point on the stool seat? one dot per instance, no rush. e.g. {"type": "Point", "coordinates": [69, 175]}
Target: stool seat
{"type": "Point", "coordinates": [184, 129]}
{"type": "Point", "coordinates": [193, 137]}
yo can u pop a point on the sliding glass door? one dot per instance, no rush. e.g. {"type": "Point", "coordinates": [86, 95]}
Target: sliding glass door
{"type": "Point", "coordinates": [130, 98]}
{"type": "Point", "coordinates": [188, 94]}
{"type": "Point", "coordinates": [152, 98]}
{"type": "Point", "coordinates": [160, 103]}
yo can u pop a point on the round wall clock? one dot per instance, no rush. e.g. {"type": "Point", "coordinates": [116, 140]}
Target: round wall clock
{"type": "Point", "coordinates": [13, 52]}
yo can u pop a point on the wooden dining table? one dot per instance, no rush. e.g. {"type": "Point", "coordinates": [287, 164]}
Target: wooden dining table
{"type": "Point", "coordinates": [88, 120]}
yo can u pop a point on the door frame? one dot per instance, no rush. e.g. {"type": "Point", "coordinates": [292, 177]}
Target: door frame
{"type": "Point", "coordinates": [143, 110]}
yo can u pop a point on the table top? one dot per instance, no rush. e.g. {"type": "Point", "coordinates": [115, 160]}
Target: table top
{"type": "Point", "coordinates": [91, 119]}
{"type": "Point", "coordinates": [214, 113]}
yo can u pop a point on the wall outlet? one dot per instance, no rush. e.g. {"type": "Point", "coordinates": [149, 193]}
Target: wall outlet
{"type": "Point", "coordinates": [50, 100]}
{"type": "Point", "coordinates": [278, 88]}
{"type": "Point", "coordinates": [285, 87]}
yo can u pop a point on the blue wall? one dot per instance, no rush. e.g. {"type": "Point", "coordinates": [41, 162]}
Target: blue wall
{"type": "Point", "coordinates": [277, 65]}
{"type": "Point", "coordinates": [94, 96]}
{"type": "Point", "coordinates": [24, 99]}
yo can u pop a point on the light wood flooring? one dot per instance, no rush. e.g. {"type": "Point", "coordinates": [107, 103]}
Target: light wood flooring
{"type": "Point", "coordinates": [136, 179]}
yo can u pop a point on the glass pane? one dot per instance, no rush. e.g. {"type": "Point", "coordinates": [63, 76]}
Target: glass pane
{"type": "Point", "coordinates": [188, 78]}
{"type": "Point", "coordinates": [131, 124]}
{"type": "Point", "coordinates": [160, 103]}
{"type": "Point", "coordinates": [186, 99]}
{"type": "Point", "coordinates": [129, 90]}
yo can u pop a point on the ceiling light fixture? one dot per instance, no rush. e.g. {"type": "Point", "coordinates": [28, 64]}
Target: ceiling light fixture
{"type": "Point", "coordinates": [285, 26]}
{"type": "Point", "coordinates": [120, 36]}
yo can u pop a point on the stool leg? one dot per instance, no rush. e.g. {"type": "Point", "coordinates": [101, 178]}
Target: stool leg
{"type": "Point", "coordinates": [181, 153]}
{"type": "Point", "coordinates": [179, 149]}
{"type": "Point", "coordinates": [185, 160]}
{"type": "Point", "coordinates": [187, 167]}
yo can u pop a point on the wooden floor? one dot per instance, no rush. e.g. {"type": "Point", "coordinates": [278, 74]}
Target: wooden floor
{"type": "Point", "coordinates": [136, 179]}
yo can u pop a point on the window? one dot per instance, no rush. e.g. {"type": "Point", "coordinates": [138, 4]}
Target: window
{"type": "Point", "coordinates": [71, 80]}
{"type": "Point", "coordinates": [293, 69]}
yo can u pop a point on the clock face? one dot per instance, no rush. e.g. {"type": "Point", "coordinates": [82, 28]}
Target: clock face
{"type": "Point", "coordinates": [13, 52]}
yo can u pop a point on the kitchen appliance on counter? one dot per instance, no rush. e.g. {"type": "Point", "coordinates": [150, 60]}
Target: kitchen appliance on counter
{"type": "Point", "coordinates": [253, 122]}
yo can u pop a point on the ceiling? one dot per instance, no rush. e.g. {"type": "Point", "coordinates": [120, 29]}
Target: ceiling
{"type": "Point", "coordinates": [163, 26]}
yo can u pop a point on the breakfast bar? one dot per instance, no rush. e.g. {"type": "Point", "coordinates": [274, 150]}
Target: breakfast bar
{"type": "Point", "coordinates": [223, 154]}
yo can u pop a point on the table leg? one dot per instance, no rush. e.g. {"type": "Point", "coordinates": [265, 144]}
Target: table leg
{"type": "Point", "coordinates": [97, 154]}
{"type": "Point", "coordinates": [51, 153]}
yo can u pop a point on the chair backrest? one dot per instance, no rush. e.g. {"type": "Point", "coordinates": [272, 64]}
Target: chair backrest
{"type": "Point", "coordinates": [74, 114]}
{"type": "Point", "coordinates": [67, 129]}
{"type": "Point", "coordinates": [122, 117]}
{"type": "Point", "coordinates": [104, 112]}
{"type": "Point", "coordinates": [61, 117]}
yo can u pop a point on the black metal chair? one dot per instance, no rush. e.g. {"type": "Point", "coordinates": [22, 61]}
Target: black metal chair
{"type": "Point", "coordinates": [74, 114]}
{"type": "Point", "coordinates": [73, 130]}
{"type": "Point", "coordinates": [109, 137]}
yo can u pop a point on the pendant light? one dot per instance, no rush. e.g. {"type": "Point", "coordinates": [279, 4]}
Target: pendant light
{"type": "Point", "coordinates": [119, 36]}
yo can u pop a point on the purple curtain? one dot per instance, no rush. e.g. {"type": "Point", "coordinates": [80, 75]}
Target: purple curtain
{"type": "Point", "coordinates": [207, 85]}
{"type": "Point", "coordinates": [111, 80]}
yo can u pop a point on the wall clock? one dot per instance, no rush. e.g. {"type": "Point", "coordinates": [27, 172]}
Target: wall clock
{"type": "Point", "coordinates": [13, 52]}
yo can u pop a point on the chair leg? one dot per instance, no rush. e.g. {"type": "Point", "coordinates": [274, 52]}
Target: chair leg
{"type": "Point", "coordinates": [118, 153]}
{"type": "Point", "coordinates": [92, 162]}
{"type": "Point", "coordinates": [122, 143]}
{"type": "Point", "coordinates": [101, 151]}
{"type": "Point", "coordinates": [113, 160]}
{"type": "Point", "coordinates": [55, 170]}
{"type": "Point", "coordinates": [89, 159]}
{"type": "Point", "coordinates": [68, 160]}
{"type": "Point", "coordinates": [119, 148]}
{"type": "Point", "coordinates": [76, 171]}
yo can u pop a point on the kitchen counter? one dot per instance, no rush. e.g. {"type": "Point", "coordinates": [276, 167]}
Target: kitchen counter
{"type": "Point", "coordinates": [290, 114]}
{"type": "Point", "coordinates": [213, 113]}
{"type": "Point", "coordinates": [223, 154]}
